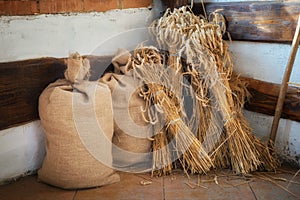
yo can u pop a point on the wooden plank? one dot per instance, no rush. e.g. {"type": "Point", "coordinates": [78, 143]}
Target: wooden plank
{"type": "Point", "coordinates": [257, 21]}
{"type": "Point", "coordinates": [264, 99]}
{"type": "Point", "coordinates": [175, 3]}
{"type": "Point", "coordinates": [22, 82]}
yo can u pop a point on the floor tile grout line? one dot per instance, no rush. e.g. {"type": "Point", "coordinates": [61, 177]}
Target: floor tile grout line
{"type": "Point", "coordinates": [164, 193]}
{"type": "Point", "coordinates": [252, 191]}
{"type": "Point", "coordinates": [75, 194]}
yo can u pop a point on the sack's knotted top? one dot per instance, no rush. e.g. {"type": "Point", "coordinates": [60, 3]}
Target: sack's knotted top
{"type": "Point", "coordinates": [78, 68]}
{"type": "Point", "coordinates": [122, 61]}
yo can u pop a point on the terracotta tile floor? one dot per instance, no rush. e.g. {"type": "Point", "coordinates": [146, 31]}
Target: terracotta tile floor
{"type": "Point", "coordinates": [215, 185]}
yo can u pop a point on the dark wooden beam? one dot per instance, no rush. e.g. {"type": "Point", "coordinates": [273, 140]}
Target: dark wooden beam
{"type": "Point", "coordinates": [257, 21]}
{"type": "Point", "coordinates": [175, 3]}
{"type": "Point", "coordinates": [22, 82]}
{"type": "Point", "coordinates": [264, 99]}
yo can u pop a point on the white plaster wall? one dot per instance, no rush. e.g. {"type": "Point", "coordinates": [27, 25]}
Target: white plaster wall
{"type": "Point", "coordinates": [22, 150]}
{"type": "Point", "coordinates": [287, 138]}
{"type": "Point", "coordinates": [58, 35]}
{"type": "Point", "coordinates": [264, 61]}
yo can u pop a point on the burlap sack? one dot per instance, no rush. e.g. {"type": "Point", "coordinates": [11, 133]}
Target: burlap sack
{"type": "Point", "coordinates": [78, 123]}
{"type": "Point", "coordinates": [131, 131]}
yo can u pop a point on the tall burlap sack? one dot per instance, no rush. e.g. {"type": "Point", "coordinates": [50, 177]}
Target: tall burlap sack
{"type": "Point", "coordinates": [78, 124]}
{"type": "Point", "coordinates": [131, 131]}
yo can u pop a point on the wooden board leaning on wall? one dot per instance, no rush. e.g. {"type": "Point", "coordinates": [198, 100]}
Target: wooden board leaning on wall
{"type": "Point", "coordinates": [22, 82]}
{"type": "Point", "coordinates": [268, 21]}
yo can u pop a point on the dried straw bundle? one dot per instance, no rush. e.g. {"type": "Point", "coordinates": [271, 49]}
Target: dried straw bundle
{"type": "Point", "coordinates": [172, 32]}
{"type": "Point", "coordinates": [162, 160]}
{"type": "Point", "coordinates": [210, 68]}
{"type": "Point", "coordinates": [163, 92]}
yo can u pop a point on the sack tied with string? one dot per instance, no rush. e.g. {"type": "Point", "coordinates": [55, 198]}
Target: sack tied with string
{"type": "Point", "coordinates": [132, 147]}
{"type": "Point", "coordinates": [76, 115]}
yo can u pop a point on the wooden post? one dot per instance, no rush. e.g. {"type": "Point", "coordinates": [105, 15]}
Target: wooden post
{"type": "Point", "coordinates": [284, 83]}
